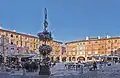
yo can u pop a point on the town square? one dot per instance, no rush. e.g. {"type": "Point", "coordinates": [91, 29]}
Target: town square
{"type": "Point", "coordinates": [59, 39]}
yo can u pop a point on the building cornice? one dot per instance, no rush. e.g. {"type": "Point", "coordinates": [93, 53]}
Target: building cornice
{"type": "Point", "coordinates": [92, 39]}
{"type": "Point", "coordinates": [9, 31]}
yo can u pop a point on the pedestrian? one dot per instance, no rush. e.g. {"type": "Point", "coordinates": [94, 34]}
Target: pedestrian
{"type": "Point", "coordinates": [94, 65]}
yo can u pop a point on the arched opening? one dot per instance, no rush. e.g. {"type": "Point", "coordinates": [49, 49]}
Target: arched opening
{"type": "Point", "coordinates": [73, 58]}
{"type": "Point", "coordinates": [70, 59]}
{"type": "Point", "coordinates": [64, 59]}
{"type": "Point", "coordinates": [80, 59]}
{"type": "Point", "coordinates": [89, 58]}
{"type": "Point", "coordinates": [109, 59]}
{"type": "Point", "coordinates": [52, 59]}
{"type": "Point", "coordinates": [57, 59]}
{"type": "Point", "coordinates": [115, 59]}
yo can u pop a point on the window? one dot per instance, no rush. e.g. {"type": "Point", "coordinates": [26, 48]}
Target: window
{"type": "Point", "coordinates": [96, 42]}
{"type": "Point", "coordinates": [34, 39]}
{"type": "Point", "coordinates": [80, 43]}
{"type": "Point", "coordinates": [16, 36]}
{"type": "Point", "coordinates": [115, 47]}
{"type": "Point", "coordinates": [102, 46]}
{"type": "Point", "coordinates": [6, 34]}
{"type": "Point", "coordinates": [11, 35]}
{"type": "Point", "coordinates": [37, 46]}
{"type": "Point", "coordinates": [115, 41]}
{"type": "Point", "coordinates": [89, 42]}
{"type": "Point", "coordinates": [17, 42]}
{"type": "Point", "coordinates": [108, 47]}
{"type": "Point", "coordinates": [102, 52]}
{"type": "Point", "coordinates": [83, 43]}
{"type": "Point", "coordinates": [11, 43]}
{"type": "Point", "coordinates": [34, 45]}
{"type": "Point", "coordinates": [21, 43]}
{"type": "Point", "coordinates": [109, 41]}
{"type": "Point", "coordinates": [26, 38]}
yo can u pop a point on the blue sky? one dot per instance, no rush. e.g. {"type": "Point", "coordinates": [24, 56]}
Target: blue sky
{"type": "Point", "coordinates": [69, 20]}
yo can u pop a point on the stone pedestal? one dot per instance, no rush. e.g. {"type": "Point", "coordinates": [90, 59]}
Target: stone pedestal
{"type": "Point", "coordinates": [44, 70]}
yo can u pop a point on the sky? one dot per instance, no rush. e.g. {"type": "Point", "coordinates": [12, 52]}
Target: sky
{"type": "Point", "coordinates": [69, 20]}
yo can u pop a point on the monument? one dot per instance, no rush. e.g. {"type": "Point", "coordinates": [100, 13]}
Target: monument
{"type": "Point", "coordinates": [44, 49]}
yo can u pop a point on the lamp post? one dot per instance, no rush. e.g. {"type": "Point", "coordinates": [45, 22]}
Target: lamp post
{"type": "Point", "coordinates": [45, 49]}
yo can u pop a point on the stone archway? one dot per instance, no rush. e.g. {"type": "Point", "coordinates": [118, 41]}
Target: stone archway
{"type": "Point", "coordinates": [70, 59]}
{"type": "Point", "coordinates": [117, 52]}
{"type": "Point", "coordinates": [57, 59]}
{"type": "Point", "coordinates": [64, 59]}
{"type": "Point", "coordinates": [73, 58]}
{"type": "Point", "coordinates": [81, 58]}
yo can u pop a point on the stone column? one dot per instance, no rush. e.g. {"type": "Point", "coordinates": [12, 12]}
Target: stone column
{"type": "Point", "coordinates": [60, 58]}
{"type": "Point", "coordinates": [86, 59]}
{"type": "Point", "coordinates": [67, 59]}
{"type": "Point", "coordinates": [76, 59]}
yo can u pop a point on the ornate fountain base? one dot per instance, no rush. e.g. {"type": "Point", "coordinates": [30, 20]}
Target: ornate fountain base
{"type": "Point", "coordinates": [44, 70]}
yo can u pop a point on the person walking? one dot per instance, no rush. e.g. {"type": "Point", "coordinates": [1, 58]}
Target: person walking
{"type": "Point", "coordinates": [94, 65]}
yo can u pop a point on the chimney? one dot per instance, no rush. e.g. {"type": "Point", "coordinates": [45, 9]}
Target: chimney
{"type": "Point", "coordinates": [29, 34]}
{"type": "Point", "coordinates": [14, 30]}
{"type": "Point", "coordinates": [87, 38]}
{"type": "Point", "coordinates": [108, 36]}
{"type": "Point", "coordinates": [98, 37]}
{"type": "Point", "coordinates": [0, 26]}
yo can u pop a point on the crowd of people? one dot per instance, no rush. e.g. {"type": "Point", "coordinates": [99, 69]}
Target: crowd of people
{"type": "Point", "coordinates": [28, 65]}
{"type": "Point", "coordinates": [33, 66]}
{"type": "Point", "coordinates": [91, 66]}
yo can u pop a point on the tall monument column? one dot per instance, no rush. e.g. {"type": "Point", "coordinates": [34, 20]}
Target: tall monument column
{"type": "Point", "coordinates": [45, 49]}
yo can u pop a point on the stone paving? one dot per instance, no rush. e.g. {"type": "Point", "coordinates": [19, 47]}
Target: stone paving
{"type": "Point", "coordinates": [107, 72]}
